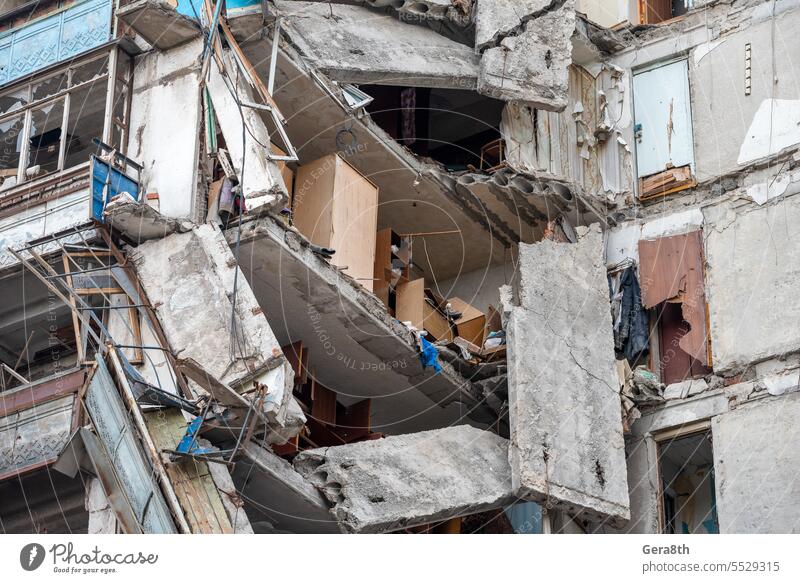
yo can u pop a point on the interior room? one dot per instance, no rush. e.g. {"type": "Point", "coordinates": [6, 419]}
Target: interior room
{"type": "Point", "coordinates": [688, 498]}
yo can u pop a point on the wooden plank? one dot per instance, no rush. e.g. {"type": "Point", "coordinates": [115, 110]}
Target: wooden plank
{"type": "Point", "coordinates": [313, 199]}
{"type": "Point", "coordinates": [217, 389]}
{"type": "Point", "coordinates": [411, 302]}
{"type": "Point", "coordinates": [382, 266]}
{"type": "Point", "coordinates": [436, 324]}
{"type": "Point", "coordinates": [355, 223]}
{"type": "Point", "coordinates": [472, 323]}
{"type": "Point", "coordinates": [40, 392]}
{"type": "Point", "coordinates": [195, 489]}
{"type": "Point", "coordinates": [323, 407]}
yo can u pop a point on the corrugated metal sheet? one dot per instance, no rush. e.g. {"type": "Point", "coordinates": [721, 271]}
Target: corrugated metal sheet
{"type": "Point", "coordinates": [671, 268]}
{"type": "Point", "coordinates": [115, 431]}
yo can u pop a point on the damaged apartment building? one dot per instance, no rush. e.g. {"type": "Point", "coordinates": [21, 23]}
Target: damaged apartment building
{"type": "Point", "coordinates": [435, 266]}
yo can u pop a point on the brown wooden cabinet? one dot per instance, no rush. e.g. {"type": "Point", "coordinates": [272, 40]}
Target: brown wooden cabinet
{"type": "Point", "coordinates": [392, 266]}
{"type": "Point", "coordinates": [335, 206]}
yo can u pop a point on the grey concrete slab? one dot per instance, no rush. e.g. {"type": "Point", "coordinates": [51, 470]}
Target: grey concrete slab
{"type": "Point", "coordinates": [567, 446]}
{"type": "Point", "coordinates": [407, 480]}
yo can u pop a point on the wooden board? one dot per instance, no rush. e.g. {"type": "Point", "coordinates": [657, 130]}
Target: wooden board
{"type": "Point", "coordinates": [323, 407]}
{"type": "Point", "coordinates": [194, 487]}
{"type": "Point", "coordinates": [382, 266]}
{"type": "Point", "coordinates": [335, 206]}
{"type": "Point", "coordinates": [412, 307]}
{"type": "Point", "coordinates": [436, 324]}
{"type": "Point", "coordinates": [410, 301]}
{"type": "Point", "coordinates": [472, 323]}
{"type": "Point", "coordinates": [355, 223]}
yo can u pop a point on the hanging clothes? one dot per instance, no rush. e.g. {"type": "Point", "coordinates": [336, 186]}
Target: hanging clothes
{"type": "Point", "coordinates": [631, 321]}
{"type": "Point", "coordinates": [408, 109]}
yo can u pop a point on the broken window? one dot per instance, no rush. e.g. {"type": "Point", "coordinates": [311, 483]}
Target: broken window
{"type": "Point", "coordinates": [672, 280]}
{"type": "Point", "coordinates": [47, 125]}
{"type": "Point", "coordinates": [457, 128]}
{"type": "Point", "coordinates": [655, 11]}
{"type": "Point", "coordinates": [663, 129]}
{"type": "Point", "coordinates": [686, 479]}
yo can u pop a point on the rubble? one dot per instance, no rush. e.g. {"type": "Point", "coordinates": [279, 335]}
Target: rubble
{"type": "Point", "coordinates": [532, 65]}
{"type": "Point", "coordinates": [354, 45]}
{"type": "Point", "coordinates": [406, 480]}
{"type": "Point", "coordinates": [566, 445]}
{"type": "Point", "coordinates": [159, 23]}
{"type": "Point", "coordinates": [196, 306]}
{"type": "Point", "coordinates": [206, 329]}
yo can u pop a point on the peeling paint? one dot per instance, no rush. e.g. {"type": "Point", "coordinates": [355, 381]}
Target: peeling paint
{"type": "Point", "coordinates": [775, 126]}
{"type": "Point", "coordinates": [702, 50]}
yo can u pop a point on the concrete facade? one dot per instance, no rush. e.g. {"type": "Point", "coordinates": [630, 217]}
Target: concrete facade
{"type": "Point", "coordinates": [370, 429]}
{"type": "Point", "coordinates": [566, 444]}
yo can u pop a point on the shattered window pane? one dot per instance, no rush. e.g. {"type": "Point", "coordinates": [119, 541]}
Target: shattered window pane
{"type": "Point", "coordinates": [89, 71]}
{"type": "Point", "coordinates": [10, 147]}
{"type": "Point", "coordinates": [14, 100]}
{"type": "Point", "coordinates": [86, 115]}
{"type": "Point", "coordinates": [49, 87]}
{"type": "Point", "coordinates": [45, 138]}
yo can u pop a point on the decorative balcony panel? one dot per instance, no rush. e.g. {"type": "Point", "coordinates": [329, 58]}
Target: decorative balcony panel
{"type": "Point", "coordinates": [55, 38]}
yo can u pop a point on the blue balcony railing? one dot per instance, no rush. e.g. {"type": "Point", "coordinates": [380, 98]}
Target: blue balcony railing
{"type": "Point", "coordinates": [54, 38]}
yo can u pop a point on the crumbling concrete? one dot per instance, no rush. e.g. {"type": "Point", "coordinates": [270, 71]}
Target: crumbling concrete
{"type": "Point", "coordinates": [102, 519]}
{"type": "Point", "coordinates": [519, 205]}
{"type": "Point", "coordinates": [247, 139]}
{"type": "Point", "coordinates": [195, 307]}
{"type": "Point", "coordinates": [407, 480]}
{"type": "Point", "coordinates": [354, 345]}
{"type": "Point", "coordinates": [457, 10]}
{"type": "Point", "coordinates": [165, 121]}
{"type": "Point", "coordinates": [277, 497]}
{"type": "Point", "coordinates": [159, 23]}
{"type": "Point", "coordinates": [353, 44]}
{"type": "Point", "coordinates": [137, 222]}
{"type": "Point", "coordinates": [495, 19]}
{"type": "Point", "coordinates": [564, 410]}
{"type": "Point", "coordinates": [757, 485]}
{"type": "Point", "coordinates": [530, 63]}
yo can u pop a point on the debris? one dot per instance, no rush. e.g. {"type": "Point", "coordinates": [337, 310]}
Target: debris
{"type": "Point", "coordinates": [407, 480]}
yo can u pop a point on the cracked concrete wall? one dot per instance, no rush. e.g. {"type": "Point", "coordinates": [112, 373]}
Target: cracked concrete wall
{"type": "Point", "coordinates": [189, 280]}
{"type": "Point", "coordinates": [165, 120]}
{"type": "Point", "coordinates": [752, 271]}
{"type": "Point", "coordinates": [407, 480]}
{"type": "Point", "coordinates": [566, 442]}
{"type": "Point", "coordinates": [353, 44]}
{"type": "Point", "coordinates": [526, 58]}
{"type": "Point", "coordinates": [749, 127]}
{"type": "Point", "coordinates": [757, 485]}
{"type": "Point", "coordinates": [262, 185]}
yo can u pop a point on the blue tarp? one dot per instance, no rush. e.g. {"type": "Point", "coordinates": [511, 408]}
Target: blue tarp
{"type": "Point", "coordinates": [429, 356]}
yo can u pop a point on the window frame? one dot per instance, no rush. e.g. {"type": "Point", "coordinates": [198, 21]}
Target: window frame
{"type": "Point", "coordinates": [111, 77]}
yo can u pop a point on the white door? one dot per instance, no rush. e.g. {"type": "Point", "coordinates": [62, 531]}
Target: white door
{"type": "Point", "coordinates": [663, 118]}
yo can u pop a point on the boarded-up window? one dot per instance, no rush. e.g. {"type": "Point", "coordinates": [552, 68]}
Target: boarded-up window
{"type": "Point", "coordinates": [663, 118]}
{"type": "Point", "coordinates": [672, 283]}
